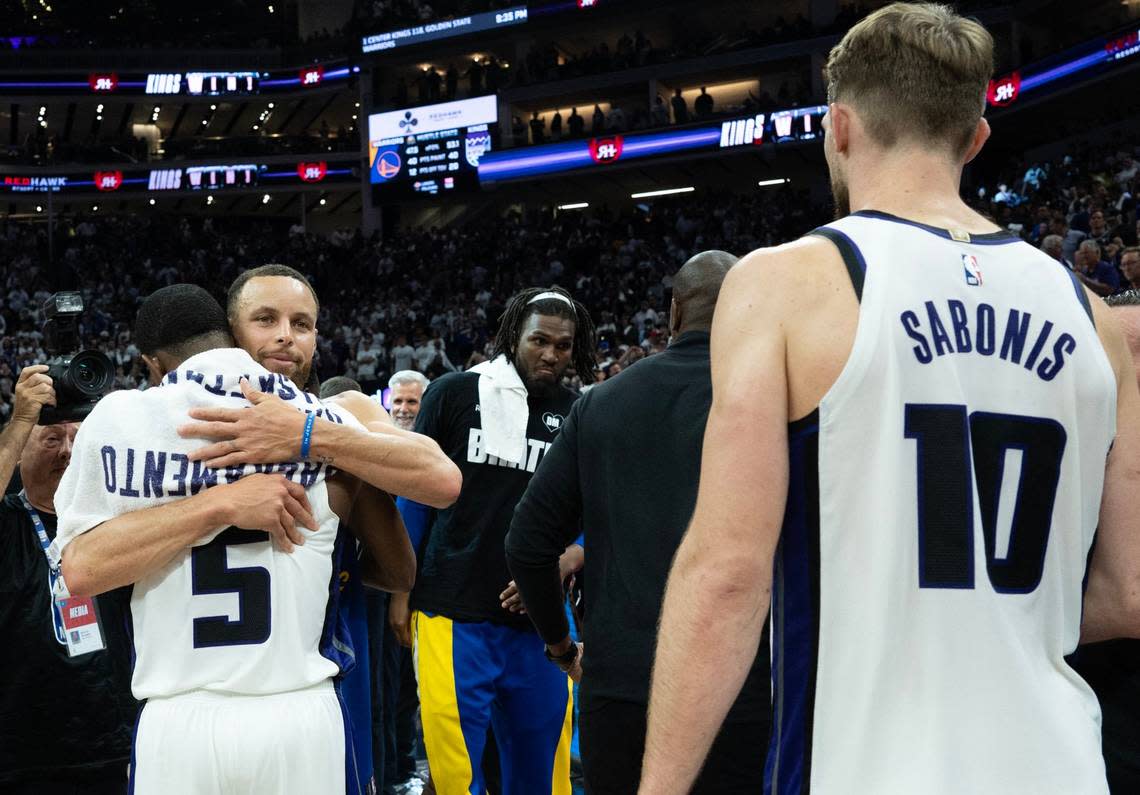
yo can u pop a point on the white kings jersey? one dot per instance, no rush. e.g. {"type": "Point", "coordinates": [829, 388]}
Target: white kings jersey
{"type": "Point", "coordinates": [232, 614]}
{"type": "Point", "coordinates": [941, 507]}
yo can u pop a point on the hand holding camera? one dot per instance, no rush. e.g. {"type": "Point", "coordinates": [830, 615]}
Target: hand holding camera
{"type": "Point", "coordinates": [33, 391]}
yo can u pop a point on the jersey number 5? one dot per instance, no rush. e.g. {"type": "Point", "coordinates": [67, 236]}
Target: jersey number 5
{"type": "Point", "coordinates": [210, 573]}
{"type": "Point", "coordinates": [956, 449]}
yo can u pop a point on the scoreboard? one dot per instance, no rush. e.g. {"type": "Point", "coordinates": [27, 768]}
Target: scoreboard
{"type": "Point", "coordinates": [430, 150]}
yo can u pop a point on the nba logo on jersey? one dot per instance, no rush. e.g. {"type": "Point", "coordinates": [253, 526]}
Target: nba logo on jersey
{"type": "Point", "coordinates": [970, 266]}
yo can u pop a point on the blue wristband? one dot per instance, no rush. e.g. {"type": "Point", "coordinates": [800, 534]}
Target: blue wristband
{"type": "Point", "coordinates": [307, 435]}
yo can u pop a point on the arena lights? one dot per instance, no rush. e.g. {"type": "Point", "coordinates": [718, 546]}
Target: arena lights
{"type": "Point", "coordinates": [1096, 55]}
{"type": "Point", "coordinates": [765, 183]}
{"type": "Point", "coordinates": [323, 202]}
{"type": "Point", "coordinates": [574, 206]}
{"type": "Point", "coordinates": [265, 199]}
{"type": "Point", "coordinates": [94, 208]}
{"type": "Point", "coordinates": [151, 202]}
{"type": "Point", "coordinates": [663, 192]}
{"type": "Point", "coordinates": [39, 208]}
{"type": "Point", "coordinates": [794, 125]}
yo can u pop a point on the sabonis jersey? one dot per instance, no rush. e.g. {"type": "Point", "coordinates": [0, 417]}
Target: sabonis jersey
{"type": "Point", "coordinates": [941, 506]}
{"type": "Point", "coordinates": [464, 567]}
{"type": "Point", "coordinates": [232, 614]}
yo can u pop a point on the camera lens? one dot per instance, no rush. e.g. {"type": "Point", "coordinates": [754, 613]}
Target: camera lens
{"type": "Point", "coordinates": [90, 373]}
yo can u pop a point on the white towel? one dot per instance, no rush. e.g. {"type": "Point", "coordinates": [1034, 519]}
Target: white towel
{"type": "Point", "coordinates": [503, 409]}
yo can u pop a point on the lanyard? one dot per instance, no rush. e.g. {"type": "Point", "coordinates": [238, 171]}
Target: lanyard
{"type": "Point", "coordinates": [53, 568]}
{"type": "Point", "coordinates": [41, 531]}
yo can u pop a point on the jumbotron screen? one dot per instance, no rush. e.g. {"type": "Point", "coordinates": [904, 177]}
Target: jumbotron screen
{"type": "Point", "coordinates": [430, 150]}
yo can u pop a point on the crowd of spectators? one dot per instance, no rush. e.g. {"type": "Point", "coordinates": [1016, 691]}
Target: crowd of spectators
{"type": "Point", "coordinates": [425, 299]}
{"type": "Point", "coordinates": [429, 299]}
{"type": "Point", "coordinates": [661, 112]}
{"type": "Point", "coordinates": [45, 148]}
{"type": "Point", "coordinates": [1080, 208]}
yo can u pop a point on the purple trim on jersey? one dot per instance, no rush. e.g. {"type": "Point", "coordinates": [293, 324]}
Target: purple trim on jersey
{"type": "Point", "coordinates": [353, 783]}
{"type": "Point", "coordinates": [980, 238]}
{"type": "Point", "coordinates": [795, 619]}
{"type": "Point", "coordinates": [133, 772]}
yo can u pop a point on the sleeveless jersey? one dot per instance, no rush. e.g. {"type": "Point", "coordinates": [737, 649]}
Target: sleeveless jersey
{"type": "Point", "coordinates": [941, 507]}
{"type": "Point", "coordinates": [232, 614]}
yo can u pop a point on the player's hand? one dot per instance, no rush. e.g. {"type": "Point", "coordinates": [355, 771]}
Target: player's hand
{"type": "Point", "coordinates": [34, 390]}
{"type": "Point", "coordinates": [400, 619]}
{"type": "Point", "coordinates": [270, 503]}
{"type": "Point", "coordinates": [269, 432]}
{"type": "Point", "coordinates": [575, 670]}
{"type": "Point", "coordinates": [512, 599]}
{"type": "Point", "coordinates": [571, 562]}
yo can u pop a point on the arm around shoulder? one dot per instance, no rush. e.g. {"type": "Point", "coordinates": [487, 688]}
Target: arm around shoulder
{"type": "Point", "coordinates": [396, 461]}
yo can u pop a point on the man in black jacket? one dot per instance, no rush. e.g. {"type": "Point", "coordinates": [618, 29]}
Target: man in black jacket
{"type": "Point", "coordinates": [626, 467]}
{"type": "Point", "coordinates": [66, 708]}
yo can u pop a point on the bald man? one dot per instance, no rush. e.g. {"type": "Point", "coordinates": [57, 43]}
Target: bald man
{"type": "Point", "coordinates": [625, 467]}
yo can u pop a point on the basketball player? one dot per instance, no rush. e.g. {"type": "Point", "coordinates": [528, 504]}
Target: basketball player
{"type": "Point", "coordinates": [907, 450]}
{"type": "Point", "coordinates": [1112, 668]}
{"type": "Point", "coordinates": [273, 314]}
{"type": "Point", "coordinates": [477, 663]}
{"type": "Point", "coordinates": [235, 640]}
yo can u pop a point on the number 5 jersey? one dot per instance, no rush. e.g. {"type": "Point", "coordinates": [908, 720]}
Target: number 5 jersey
{"type": "Point", "coordinates": [232, 614]}
{"type": "Point", "coordinates": [942, 503]}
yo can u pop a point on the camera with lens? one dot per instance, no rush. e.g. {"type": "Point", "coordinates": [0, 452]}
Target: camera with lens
{"type": "Point", "coordinates": [80, 377]}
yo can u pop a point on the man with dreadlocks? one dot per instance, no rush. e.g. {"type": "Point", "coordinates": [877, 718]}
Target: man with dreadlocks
{"type": "Point", "coordinates": [477, 663]}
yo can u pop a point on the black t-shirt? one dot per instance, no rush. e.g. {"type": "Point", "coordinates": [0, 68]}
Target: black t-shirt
{"type": "Point", "coordinates": [464, 569]}
{"type": "Point", "coordinates": [58, 715]}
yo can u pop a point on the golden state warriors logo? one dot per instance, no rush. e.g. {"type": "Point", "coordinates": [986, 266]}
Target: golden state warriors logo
{"type": "Point", "coordinates": [388, 164]}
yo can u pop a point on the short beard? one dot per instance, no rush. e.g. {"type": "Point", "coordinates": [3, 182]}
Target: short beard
{"type": "Point", "coordinates": [540, 389]}
{"type": "Point", "coordinates": [302, 379]}
{"type": "Point", "coordinates": [842, 197]}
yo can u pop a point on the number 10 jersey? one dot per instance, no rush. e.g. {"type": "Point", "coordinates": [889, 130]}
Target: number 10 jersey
{"type": "Point", "coordinates": [942, 503]}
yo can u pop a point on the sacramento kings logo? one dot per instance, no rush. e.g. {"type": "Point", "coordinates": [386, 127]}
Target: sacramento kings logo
{"type": "Point", "coordinates": [476, 145]}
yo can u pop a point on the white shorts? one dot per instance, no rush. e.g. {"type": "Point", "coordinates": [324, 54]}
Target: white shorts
{"type": "Point", "coordinates": [205, 743]}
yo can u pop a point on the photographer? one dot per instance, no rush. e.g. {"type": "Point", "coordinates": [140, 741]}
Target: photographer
{"type": "Point", "coordinates": [65, 708]}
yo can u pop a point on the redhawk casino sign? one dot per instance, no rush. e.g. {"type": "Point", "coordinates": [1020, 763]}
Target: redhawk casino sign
{"type": "Point", "coordinates": [312, 172]}
{"type": "Point", "coordinates": [23, 184]}
{"type": "Point", "coordinates": [1004, 90]}
{"type": "Point", "coordinates": [312, 76]}
{"type": "Point", "coordinates": [606, 150]}
{"type": "Point", "coordinates": [108, 180]}
{"type": "Point", "coordinates": [103, 82]}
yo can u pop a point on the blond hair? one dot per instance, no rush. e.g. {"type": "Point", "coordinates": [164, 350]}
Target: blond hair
{"type": "Point", "coordinates": [914, 71]}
